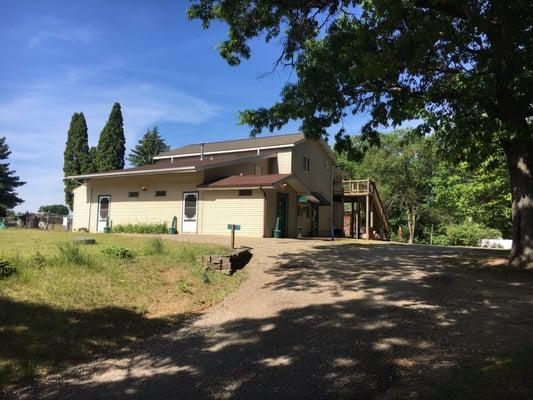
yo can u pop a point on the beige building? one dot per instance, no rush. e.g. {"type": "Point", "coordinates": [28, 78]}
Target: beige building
{"type": "Point", "coordinates": [251, 182]}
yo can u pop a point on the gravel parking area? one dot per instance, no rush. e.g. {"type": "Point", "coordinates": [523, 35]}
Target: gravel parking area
{"type": "Point", "coordinates": [322, 319]}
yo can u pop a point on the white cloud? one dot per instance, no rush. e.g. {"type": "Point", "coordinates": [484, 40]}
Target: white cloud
{"type": "Point", "coordinates": [76, 36]}
{"type": "Point", "coordinates": [36, 119]}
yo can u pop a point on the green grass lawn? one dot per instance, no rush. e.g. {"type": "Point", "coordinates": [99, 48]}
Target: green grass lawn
{"type": "Point", "coordinates": [66, 303]}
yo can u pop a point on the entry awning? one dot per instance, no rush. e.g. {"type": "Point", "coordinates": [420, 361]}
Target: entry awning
{"type": "Point", "coordinates": [314, 198]}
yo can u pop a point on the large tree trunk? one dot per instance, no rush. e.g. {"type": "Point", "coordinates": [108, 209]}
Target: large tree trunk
{"type": "Point", "coordinates": [519, 154]}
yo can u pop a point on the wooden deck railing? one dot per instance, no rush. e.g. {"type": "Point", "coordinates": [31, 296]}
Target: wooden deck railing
{"type": "Point", "coordinates": [357, 186]}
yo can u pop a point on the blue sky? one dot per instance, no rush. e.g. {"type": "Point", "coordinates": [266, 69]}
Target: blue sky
{"type": "Point", "coordinates": [61, 57]}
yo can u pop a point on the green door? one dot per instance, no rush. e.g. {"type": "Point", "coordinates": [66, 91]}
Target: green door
{"type": "Point", "coordinates": [314, 220]}
{"type": "Point", "coordinates": [282, 213]}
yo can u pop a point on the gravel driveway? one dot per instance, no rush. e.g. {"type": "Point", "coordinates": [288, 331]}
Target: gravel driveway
{"type": "Point", "coordinates": [321, 319]}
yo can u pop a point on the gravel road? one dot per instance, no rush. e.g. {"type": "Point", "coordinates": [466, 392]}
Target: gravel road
{"type": "Point", "coordinates": [322, 319]}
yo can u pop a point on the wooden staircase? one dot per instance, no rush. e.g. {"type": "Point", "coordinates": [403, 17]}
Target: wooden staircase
{"type": "Point", "coordinates": [364, 193]}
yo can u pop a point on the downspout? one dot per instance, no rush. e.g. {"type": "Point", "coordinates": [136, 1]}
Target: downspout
{"type": "Point", "coordinates": [90, 209]}
{"type": "Point", "coordinates": [202, 145]}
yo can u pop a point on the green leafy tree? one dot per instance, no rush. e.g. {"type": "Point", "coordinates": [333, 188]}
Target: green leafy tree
{"type": "Point", "coordinates": [112, 143]}
{"type": "Point", "coordinates": [76, 156]}
{"type": "Point", "coordinates": [149, 146]}
{"type": "Point", "coordinates": [54, 209]}
{"type": "Point", "coordinates": [402, 167]}
{"type": "Point", "coordinates": [476, 195]}
{"type": "Point", "coordinates": [463, 68]}
{"type": "Point", "coordinates": [8, 181]}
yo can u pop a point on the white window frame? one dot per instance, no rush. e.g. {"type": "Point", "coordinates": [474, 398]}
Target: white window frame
{"type": "Point", "coordinates": [307, 164]}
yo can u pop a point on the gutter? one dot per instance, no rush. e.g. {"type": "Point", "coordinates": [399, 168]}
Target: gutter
{"type": "Point", "coordinates": [126, 173]}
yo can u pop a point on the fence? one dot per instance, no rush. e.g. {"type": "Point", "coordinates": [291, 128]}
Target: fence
{"type": "Point", "coordinates": [44, 221]}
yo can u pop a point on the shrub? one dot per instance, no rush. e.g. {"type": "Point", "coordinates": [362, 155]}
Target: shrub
{"type": "Point", "coordinates": [37, 260]}
{"type": "Point", "coordinates": [70, 252]}
{"type": "Point", "coordinates": [6, 268]}
{"type": "Point", "coordinates": [140, 228]}
{"type": "Point", "coordinates": [118, 253]}
{"type": "Point", "coordinates": [466, 234]}
{"type": "Point", "coordinates": [154, 246]}
{"type": "Point", "coordinates": [187, 256]}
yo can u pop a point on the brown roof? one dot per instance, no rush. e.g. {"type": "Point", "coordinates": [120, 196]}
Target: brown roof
{"type": "Point", "coordinates": [185, 163]}
{"type": "Point", "coordinates": [246, 181]}
{"type": "Point", "coordinates": [249, 143]}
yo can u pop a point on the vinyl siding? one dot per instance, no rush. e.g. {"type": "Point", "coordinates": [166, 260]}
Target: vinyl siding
{"type": "Point", "coordinates": [285, 162]}
{"type": "Point", "coordinates": [318, 179]}
{"type": "Point", "coordinates": [248, 168]}
{"type": "Point", "coordinates": [222, 207]}
{"type": "Point", "coordinates": [80, 213]}
{"type": "Point", "coordinates": [146, 208]}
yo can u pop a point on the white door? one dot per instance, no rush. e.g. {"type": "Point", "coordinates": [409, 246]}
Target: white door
{"type": "Point", "coordinates": [103, 212]}
{"type": "Point", "coordinates": [190, 212]}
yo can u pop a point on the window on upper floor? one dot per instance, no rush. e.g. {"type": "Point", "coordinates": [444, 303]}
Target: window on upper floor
{"type": "Point", "coordinates": [307, 164]}
{"type": "Point", "coordinates": [160, 193]}
{"type": "Point", "coordinates": [245, 192]}
{"type": "Point", "coordinates": [133, 194]}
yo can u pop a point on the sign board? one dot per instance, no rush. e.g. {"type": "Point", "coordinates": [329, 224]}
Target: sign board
{"type": "Point", "coordinates": [237, 227]}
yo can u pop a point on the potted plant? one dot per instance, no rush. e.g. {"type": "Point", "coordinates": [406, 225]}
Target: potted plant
{"type": "Point", "coordinates": [107, 228]}
{"type": "Point", "coordinates": [173, 229]}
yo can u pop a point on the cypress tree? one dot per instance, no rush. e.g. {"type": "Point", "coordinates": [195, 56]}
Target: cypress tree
{"type": "Point", "coordinates": [91, 164]}
{"type": "Point", "coordinates": [149, 146]}
{"type": "Point", "coordinates": [112, 143]}
{"type": "Point", "coordinates": [76, 155]}
{"type": "Point", "coordinates": [8, 181]}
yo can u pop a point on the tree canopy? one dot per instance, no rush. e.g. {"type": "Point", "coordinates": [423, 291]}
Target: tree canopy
{"type": "Point", "coordinates": [421, 189]}
{"type": "Point", "coordinates": [149, 146]}
{"type": "Point", "coordinates": [60, 209]}
{"type": "Point", "coordinates": [9, 182]}
{"type": "Point", "coordinates": [111, 147]}
{"type": "Point", "coordinates": [461, 68]}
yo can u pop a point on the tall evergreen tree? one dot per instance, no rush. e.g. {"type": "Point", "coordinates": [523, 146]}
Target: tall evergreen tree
{"type": "Point", "coordinates": [91, 165]}
{"type": "Point", "coordinates": [76, 155]}
{"type": "Point", "coordinates": [112, 143]}
{"type": "Point", "coordinates": [149, 146]}
{"type": "Point", "coordinates": [8, 181]}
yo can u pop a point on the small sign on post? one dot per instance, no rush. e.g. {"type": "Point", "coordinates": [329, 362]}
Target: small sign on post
{"type": "Point", "coordinates": [233, 228]}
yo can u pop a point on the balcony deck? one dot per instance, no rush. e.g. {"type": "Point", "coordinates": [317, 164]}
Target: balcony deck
{"type": "Point", "coordinates": [364, 194]}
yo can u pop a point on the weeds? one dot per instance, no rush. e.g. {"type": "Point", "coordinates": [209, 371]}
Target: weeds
{"type": "Point", "coordinates": [71, 253]}
{"type": "Point", "coordinates": [118, 253]}
{"type": "Point", "coordinates": [154, 246]}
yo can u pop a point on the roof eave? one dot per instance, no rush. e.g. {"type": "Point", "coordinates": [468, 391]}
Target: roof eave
{"type": "Point", "coordinates": [132, 173]}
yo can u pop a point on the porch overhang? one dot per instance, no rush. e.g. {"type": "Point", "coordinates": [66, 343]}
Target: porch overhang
{"type": "Point", "coordinates": [313, 198]}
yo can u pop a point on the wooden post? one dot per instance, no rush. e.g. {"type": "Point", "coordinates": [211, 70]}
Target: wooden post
{"type": "Point", "coordinates": [357, 220]}
{"type": "Point", "coordinates": [367, 217]}
{"type": "Point", "coordinates": [352, 219]}
{"type": "Point", "coordinates": [233, 236]}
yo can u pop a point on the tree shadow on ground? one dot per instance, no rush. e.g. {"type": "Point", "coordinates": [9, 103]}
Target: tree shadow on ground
{"type": "Point", "coordinates": [36, 338]}
{"type": "Point", "coordinates": [422, 325]}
